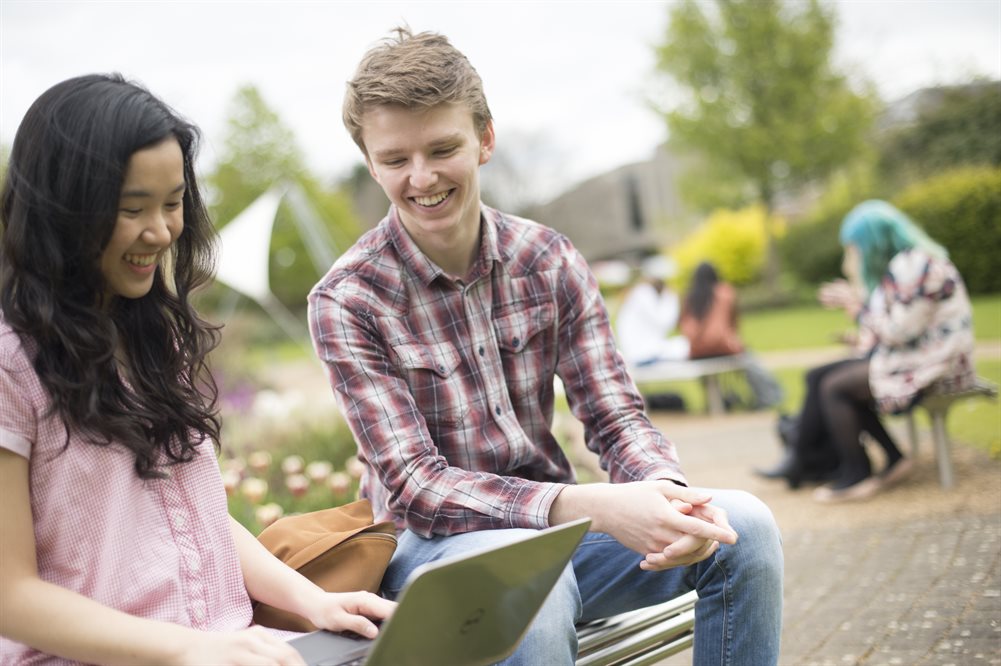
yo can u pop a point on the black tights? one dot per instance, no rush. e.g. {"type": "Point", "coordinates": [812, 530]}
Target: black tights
{"type": "Point", "coordinates": [847, 407]}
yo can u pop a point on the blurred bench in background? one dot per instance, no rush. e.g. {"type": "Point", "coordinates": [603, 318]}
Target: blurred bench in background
{"type": "Point", "coordinates": [937, 404]}
{"type": "Point", "coordinates": [708, 370]}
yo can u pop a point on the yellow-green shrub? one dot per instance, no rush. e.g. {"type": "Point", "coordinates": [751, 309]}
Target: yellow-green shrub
{"type": "Point", "coordinates": [734, 241]}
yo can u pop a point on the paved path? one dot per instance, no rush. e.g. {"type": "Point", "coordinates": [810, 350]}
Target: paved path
{"type": "Point", "coordinates": [911, 577]}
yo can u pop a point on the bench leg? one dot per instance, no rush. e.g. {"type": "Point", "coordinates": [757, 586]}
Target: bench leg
{"type": "Point", "coordinates": [942, 452]}
{"type": "Point", "coordinates": [912, 433]}
{"type": "Point", "coordinates": [714, 395]}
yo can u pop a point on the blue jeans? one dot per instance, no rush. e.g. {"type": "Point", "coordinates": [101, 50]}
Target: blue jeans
{"type": "Point", "coordinates": [738, 616]}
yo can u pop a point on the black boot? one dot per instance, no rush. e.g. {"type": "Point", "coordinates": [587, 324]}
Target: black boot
{"type": "Point", "coordinates": [790, 469]}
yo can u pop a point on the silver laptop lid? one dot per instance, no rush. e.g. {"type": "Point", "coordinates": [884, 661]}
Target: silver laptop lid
{"type": "Point", "coordinates": [470, 609]}
{"type": "Point", "coordinates": [475, 608]}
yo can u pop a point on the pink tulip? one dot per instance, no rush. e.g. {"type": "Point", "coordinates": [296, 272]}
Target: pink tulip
{"type": "Point", "coordinates": [292, 464]}
{"type": "Point", "coordinates": [319, 470]}
{"type": "Point", "coordinates": [339, 483]}
{"type": "Point", "coordinates": [259, 461]}
{"type": "Point", "coordinates": [297, 484]}
{"type": "Point", "coordinates": [254, 489]}
{"type": "Point", "coordinates": [268, 513]}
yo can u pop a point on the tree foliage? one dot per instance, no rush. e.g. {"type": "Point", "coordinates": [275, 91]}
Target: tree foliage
{"type": "Point", "coordinates": [955, 126]}
{"type": "Point", "coordinates": [763, 101]}
{"type": "Point", "coordinates": [764, 97]}
{"type": "Point", "coordinates": [260, 152]}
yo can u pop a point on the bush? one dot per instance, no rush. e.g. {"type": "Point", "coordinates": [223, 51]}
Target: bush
{"type": "Point", "coordinates": [734, 241]}
{"type": "Point", "coordinates": [961, 209]}
{"type": "Point", "coordinates": [811, 251]}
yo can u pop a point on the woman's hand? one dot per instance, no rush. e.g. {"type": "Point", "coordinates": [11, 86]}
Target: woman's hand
{"type": "Point", "coordinates": [350, 611]}
{"type": "Point", "coordinates": [840, 294]}
{"type": "Point", "coordinates": [237, 648]}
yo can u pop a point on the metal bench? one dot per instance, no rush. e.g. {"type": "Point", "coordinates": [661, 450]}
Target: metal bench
{"type": "Point", "coordinates": [937, 404]}
{"type": "Point", "coordinates": [709, 370]}
{"type": "Point", "coordinates": [640, 637]}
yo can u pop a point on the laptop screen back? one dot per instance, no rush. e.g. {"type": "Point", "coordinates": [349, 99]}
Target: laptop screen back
{"type": "Point", "coordinates": [473, 608]}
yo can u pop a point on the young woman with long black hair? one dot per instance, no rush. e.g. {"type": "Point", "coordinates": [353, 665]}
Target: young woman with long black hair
{"type": "Point", "coordinates": [115, 542]}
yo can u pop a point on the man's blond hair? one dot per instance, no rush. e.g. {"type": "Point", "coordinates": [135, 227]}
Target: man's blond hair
{"type": "Point", "coordinates": [415, 72]}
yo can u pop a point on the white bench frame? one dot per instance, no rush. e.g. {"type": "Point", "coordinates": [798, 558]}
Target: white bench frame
{"type": "Point", "coordinates": [708, 370]}
{"type": "Point", "coordinates": [937, 405]}
{"type": "Point", "coordinates": [641, 637]}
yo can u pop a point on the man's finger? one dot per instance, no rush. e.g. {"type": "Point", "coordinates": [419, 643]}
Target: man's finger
{"type": "Point", "coordinates": [661, 561]}
{"type": "Point", "coordinates": [715, 515]}
{"type": "Point", "coordinates": [704, 529]}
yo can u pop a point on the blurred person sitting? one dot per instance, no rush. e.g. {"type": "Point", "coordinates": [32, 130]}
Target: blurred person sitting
{"type": "Point", "coordinates": [710, 322]}
{"type": "Point", "coordinates": [709, 317]}
{"type": "Point", "coordinates": [649, 314]}
{"type": "Point", "coordinates": [915, 321]}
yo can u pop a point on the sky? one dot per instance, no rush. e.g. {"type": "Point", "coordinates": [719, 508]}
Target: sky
{"type": "Point", "coordinates": [574, 78]}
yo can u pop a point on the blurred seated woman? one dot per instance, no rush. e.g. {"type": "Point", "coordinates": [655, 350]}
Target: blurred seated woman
{"type": "Point", "coordinates": [709, 315]}
{"type": "Point", "coordinates": [915, 320]}
{"type": "Point", "coordinates": [709, 321]}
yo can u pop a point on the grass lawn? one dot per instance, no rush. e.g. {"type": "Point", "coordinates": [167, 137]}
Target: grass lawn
{"type": "Point", "coordinates": [813, 326]}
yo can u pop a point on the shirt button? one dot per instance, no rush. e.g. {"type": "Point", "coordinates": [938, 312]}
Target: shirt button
{"type": "Point", "coordinates": [515, 342]}
{"type": "Point", "coordinates": [497, 410]}
{"type": "Point", "coordinates": [179, 521]}
{"type": "Point", "coordinates": [482, 351]}
{"type": "Point", "coordinates": [194, 563]}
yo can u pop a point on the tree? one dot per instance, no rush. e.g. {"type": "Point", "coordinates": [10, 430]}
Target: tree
{"type": "Point", "coordinates": [260, 152]}
{"type": "Point", "coordinates": [763, 101]}
{"type": "Point", "coordinates": [954, 126]}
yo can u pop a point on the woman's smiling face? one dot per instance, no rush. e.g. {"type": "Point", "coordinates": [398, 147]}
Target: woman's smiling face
{"type": "Point", "coordinates": [150, 218]}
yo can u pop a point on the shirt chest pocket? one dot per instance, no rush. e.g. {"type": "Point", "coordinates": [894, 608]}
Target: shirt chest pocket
{"type": "Point", "coordinates": [432, 373]}
{"type": "Point", "coordinates": [526, 339]}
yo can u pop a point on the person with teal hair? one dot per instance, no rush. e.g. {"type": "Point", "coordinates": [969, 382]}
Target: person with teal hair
{"type": "Point", "coordinates": [880, 231]}
{"type": "Point", "coordinates": [915, 330]}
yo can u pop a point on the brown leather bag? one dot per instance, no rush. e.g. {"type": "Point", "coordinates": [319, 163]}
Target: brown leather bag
{"type": "Point", "coordinates": [340, 549]}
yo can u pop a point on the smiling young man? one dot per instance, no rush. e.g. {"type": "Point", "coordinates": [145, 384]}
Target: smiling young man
{"type": "Point", "coordinates": [442, 330]}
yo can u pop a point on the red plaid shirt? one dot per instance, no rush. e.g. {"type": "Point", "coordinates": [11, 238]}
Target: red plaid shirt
{"type": "Point", "coordinates": [447, 385]}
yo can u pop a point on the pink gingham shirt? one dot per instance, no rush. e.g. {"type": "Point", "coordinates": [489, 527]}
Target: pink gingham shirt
{"type": "Point", "coordinates": [158, 549]}
{"type": "Point", "coordinates": [447, 384]}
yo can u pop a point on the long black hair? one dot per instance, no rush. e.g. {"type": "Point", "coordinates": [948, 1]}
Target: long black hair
{"type": "Point", "coordinates": [133, 373]}
{"type": "Point", "coordinates": [700, 294]}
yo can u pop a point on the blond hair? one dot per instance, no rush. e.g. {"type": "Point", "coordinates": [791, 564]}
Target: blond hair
{"type": "Point", "coordinates": [416, 72]}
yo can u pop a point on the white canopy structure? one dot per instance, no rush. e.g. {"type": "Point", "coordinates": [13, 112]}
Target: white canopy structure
{"type": "Point", "coordinates": [245, 245]}
{"type": "Point", "coordinates": [244, 249]}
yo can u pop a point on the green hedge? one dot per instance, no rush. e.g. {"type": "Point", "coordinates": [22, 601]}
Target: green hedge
{"type": "Point", "coordinates": [961, 209]}
{"type": "Point", "coordinates": [811, 251]}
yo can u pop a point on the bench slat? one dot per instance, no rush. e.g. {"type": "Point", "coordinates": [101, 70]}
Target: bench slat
{"type": "Point", "coordinates": [635, 636]}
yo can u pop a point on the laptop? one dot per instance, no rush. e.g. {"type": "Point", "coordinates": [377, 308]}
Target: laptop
{"type": "Point", "coordinates": [470, 609]}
